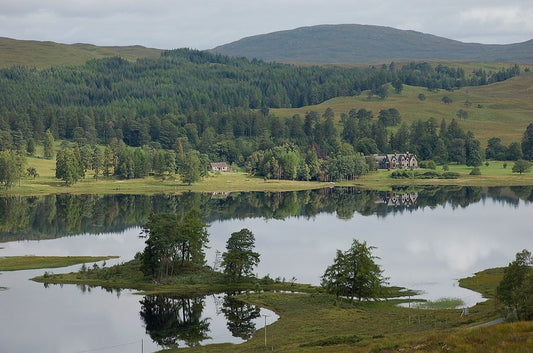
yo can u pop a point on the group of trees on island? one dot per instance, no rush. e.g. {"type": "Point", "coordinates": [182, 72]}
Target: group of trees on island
{"type": "Point", "coordinates": [174, 243]}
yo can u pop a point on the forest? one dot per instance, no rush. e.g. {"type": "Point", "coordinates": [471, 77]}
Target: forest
{"type": "Point", "coordinates": [187, 108]}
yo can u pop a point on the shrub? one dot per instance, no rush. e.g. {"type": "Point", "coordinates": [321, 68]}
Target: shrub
{"type": "Point", "coordinates": [429, 175]}
{"type": "Point", "coordinates": [475, 171]}
{"type": "Point", "coordinates": [400, 174]}
{"type": "Point", "coordinates": [428, 165]}
{"type": "Point", "coordinates": [450, 175]}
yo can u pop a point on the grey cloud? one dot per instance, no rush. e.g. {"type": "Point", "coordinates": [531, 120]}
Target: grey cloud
{"type": "Point", "coordinates": [205, 24]}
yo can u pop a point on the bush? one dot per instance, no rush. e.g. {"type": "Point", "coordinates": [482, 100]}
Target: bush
{"type": "Point", "coordinates": [400, 174]}
{"type": "Point", "coordinates": [429, 175]}
{"type": "Point", "coordinates": [475, 171]}
{"type": "Point", "coordinates": [450, 175]}
{"type": "Point", "coordinates": [428, 165]}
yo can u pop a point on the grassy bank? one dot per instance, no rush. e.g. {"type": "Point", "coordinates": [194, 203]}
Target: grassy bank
{"type": "Point", "coordinates": [15, 263]}
{"type": "Point", "coordinates": [492, 175]}
{"type": "Point", "coordinates": [191, 280]}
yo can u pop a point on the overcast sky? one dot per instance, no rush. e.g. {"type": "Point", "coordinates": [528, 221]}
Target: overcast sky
{"type": "Point", "coordinates": [204, 24]}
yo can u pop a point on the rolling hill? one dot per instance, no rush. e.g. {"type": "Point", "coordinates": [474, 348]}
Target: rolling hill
{"type": "Point", "coordinates": [352, 43]}
{"type": "Point", "coordinates": [45, 54]}
{"type": "Point", "coordinates": [502, 109]}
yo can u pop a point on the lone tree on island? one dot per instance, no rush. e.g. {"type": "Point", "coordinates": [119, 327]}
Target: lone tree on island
{"type": "Point", "coordinates": [354, 273]}
{"type": "Point", "coordinates": [240, 259]}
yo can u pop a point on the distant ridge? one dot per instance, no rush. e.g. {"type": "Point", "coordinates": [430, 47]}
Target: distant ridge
{"type": "Point", "coordinates": [44, 54]}
{"type": "Point", "coordinates": [352, 43]}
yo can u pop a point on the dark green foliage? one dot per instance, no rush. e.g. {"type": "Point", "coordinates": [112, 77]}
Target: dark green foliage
{"type": "Point", "coordinates": [521, 166]}
{"type": "Point", "coordinates": [446, 100]}
{"type": "Point", "coordinates": [475, 171]}
{"type": "Point", "coordinates": [496, 150]}
{"type": "Point", "coordinates": [182, 94]}
{"type": "Point", "coordinates": [240, 259]}
{"type": "Point", "coordinates": [515, 290]}
{"type": "Point", "coordinates": [462, 114]}
{"type": "Point", "coordinates": [390, 117]}
{"type": "Point", "coordinates": [527, 143]}
{"type": "Point", "coordinates": [427, 164]}
{"type": "Point", "coordinates": [402, 174]}
{"type": "Point", "coordinates": [48, 145]}
{"type": "Point", "coordinates": [11, 167]}
{"type": "Point", "coordinates": [173, 241]}
{"type": "Point", "coordinates": [69, 167]}
{"type": "Point", "coordinates": [473, 152]}
{"type": "Point", "coordinates": [354, 273]}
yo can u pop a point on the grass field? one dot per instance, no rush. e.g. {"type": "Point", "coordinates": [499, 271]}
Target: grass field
{"type": "Point", "coordinates": [501, 109]}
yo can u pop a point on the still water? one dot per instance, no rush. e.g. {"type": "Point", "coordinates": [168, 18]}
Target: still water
{"type": "Point", "coordinates": [426, 240]}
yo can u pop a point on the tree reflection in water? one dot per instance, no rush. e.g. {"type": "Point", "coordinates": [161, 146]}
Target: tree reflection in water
{"type": "Point", "coordinates": [171, 320]}
{"type": "Point", "coordinates": [240, 316]}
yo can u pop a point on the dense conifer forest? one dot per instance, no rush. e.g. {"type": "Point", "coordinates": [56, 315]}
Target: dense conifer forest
{"type": "Point", "coordinates": [186, 108]}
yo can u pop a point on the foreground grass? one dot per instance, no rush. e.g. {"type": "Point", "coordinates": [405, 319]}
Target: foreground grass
{"type": "Point", "coordinates": [314, 322]}
{"type": "Point", "coordinates": [15, 263]}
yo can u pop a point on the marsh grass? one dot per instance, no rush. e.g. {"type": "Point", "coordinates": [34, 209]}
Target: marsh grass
{"type": "Point", "coordinates": [15, 263]}
{"type": "Point", "coordinates": [440, 304]}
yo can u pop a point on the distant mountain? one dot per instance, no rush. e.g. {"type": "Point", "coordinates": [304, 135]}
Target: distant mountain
{"type": "Point", "coordinates": [45, 54]}
{"type": "Point", "coordinates": [351, 43]}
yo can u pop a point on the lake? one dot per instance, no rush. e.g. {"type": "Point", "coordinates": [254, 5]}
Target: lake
{"type": "Point", "coordinates": [426, 240]}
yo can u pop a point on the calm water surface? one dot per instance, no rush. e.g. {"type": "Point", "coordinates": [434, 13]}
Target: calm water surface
{"type": "Point", "coordinates": [424, 247]}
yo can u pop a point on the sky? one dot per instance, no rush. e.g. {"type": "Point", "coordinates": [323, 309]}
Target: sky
{"type": "Point", "coordinates": [205, 24]}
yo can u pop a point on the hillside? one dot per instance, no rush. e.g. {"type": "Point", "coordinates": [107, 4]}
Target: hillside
{"type": "Point", "coordinates": [502, 109]}
{"type": "Point", "coordinates": [353, 43]}
{"type": "Point", "coordinates": [45, 54]}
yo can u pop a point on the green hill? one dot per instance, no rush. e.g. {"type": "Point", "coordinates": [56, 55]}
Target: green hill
{"type": "Point", "coordinates": [45, 54]}
{"type": "Point", "coordinates": [502, 109]}
{"type": "Point", "coordinates": [353, 43]}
